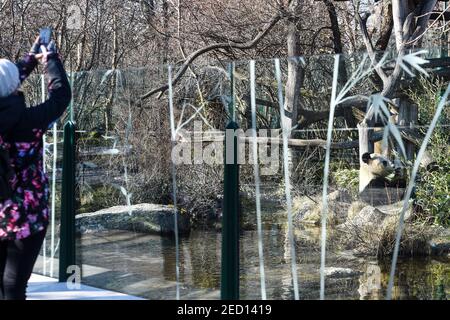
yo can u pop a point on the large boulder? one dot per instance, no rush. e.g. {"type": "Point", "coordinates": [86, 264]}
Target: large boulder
{"type": "Point", "coordinates": [144, 217]}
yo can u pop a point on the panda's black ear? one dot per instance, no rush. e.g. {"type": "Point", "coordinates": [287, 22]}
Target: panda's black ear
{"type": "Point", "coordinates": [366, 157]}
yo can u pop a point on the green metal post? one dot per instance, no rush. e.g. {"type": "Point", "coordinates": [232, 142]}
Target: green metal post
{"type": "Point", "coordinates": [444, 38]}
{"type": "Point", "coordinates": [67, 233]}
{"type": "Point", "coordinates": [230, 219]}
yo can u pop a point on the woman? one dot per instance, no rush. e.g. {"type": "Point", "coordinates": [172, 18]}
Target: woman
{"type": "Point", "coordinates": [24, 214]}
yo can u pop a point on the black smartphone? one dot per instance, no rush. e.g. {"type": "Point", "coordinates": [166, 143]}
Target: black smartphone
{"type": "Point", "coordinates": [45, 36]}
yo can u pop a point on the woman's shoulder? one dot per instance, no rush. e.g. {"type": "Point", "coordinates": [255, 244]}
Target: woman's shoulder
{"type": "Point", "coordinates": [12, 109]}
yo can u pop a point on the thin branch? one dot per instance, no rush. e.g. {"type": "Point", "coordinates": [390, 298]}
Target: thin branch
{"type": "Point", "coordinates": [422, 20]}
{"type": "Point", "coordinates": [224, 45]}
{"type": "Point", "coordinates": [370, 48]}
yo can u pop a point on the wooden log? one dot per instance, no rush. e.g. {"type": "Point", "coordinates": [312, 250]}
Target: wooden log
{"type": "Point", "coordinates": [408, 116]}
{"type": "Point", "coordinates": [378, 145]}
{"type": "Point", "coordinates": [294, 143]}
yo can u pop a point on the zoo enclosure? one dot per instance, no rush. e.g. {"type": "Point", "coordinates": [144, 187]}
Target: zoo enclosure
{"type": "Point", "coordinates": [119, 131]}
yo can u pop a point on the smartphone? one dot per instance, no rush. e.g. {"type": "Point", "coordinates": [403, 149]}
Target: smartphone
{"type": "Point", "coordinates": [45, 36]}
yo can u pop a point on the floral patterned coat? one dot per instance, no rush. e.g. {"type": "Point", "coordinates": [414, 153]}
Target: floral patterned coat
{"type": "Point", "coordinates": [21, 131]}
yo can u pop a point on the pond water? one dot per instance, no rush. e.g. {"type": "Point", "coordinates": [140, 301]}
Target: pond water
{"type": "Point", "coordinates": [144, 265]}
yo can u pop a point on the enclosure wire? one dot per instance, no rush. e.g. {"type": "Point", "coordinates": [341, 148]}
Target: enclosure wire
{"type": "Point", "coordinates": [323, 242]}
{"type": "Point", "coordinates": [128, 131]}
{"type": "Point", "coordinates": [441, 105]}
{"type": "Point", "coordinates": [287, 183]}
{"type": "Point", "coordinates": [257, 181]}
{"type": "Point", "coordinates": [174, 184]}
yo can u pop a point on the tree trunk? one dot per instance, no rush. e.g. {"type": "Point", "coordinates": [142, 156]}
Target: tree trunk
{"type": "Point", "coordinates": [114, 64]}
{"type": "Point", "coordinates": [400, 10]}
{"type": "Point", "coordinates": [408, 115]}
{"type": "Point", "coordinates": [338, 49]}
{"type": "Point", "coordinates": [294, 83]}
{"type": "Point", "coordinates": [165, 23]}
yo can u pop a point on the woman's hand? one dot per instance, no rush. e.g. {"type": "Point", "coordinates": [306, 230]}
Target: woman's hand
{"type": "Point", "coordinates": [42, 57]}
{"type": "Point", "coordinates": [46, 52]}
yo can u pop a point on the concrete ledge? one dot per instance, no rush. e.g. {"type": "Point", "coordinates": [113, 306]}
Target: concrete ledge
{"type": "Point", "coordinates": [45, 288]}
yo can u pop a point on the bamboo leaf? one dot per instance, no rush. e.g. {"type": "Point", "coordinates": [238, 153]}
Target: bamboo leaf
{"type": "Point", "coordinates": [415, 61]}
{"type": "Point", "coordinates": [398, 137]}
{"type": "Point", "coordinates": [406, 69]}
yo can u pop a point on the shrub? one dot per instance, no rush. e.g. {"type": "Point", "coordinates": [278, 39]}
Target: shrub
{"type": "Point", "coordinates": [433, 194]}
{"type": "Point", "coordinates": [347, 179]}
{"type": "Point", "coordinates": [98, 198]}
{"type": "Point", "coordinates": [432, 191]}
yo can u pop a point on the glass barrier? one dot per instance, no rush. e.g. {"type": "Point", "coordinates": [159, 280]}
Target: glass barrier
{"type": "Point", "coordinates": [134, 153]}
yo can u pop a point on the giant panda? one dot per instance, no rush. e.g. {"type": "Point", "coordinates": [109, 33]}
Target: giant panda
{"type": "Point", "coordinates": [381, 182]}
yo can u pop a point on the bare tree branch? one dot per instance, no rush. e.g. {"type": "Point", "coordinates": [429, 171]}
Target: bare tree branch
{"type": "Point", "coordinates": [369, 46]}
{"type": "Point", "coordinates": [224, 45]}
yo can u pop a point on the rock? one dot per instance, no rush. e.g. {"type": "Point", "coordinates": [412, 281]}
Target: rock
{"type": "Point", "coordinates": [340, 196]}
{"type": "Point", "coordinates": [381, 216]}
{"type": "Point", "coordinates": [309, 211]}
{"type": "Point", "coordinates": [369, 216]}
{"type": "Point", "coordinates": [440, 249]}
{"type": "Point", "coordinates": [332, 272]}
{"type": "Point", "coordinates": [440, 244]}
{"type": "Point", "coordinates": [145, 217]}
{"type": "Point", "coordinates": [396, 208]}
{"type": "Point", "coordinates": [354, 209]}
{"type": "Point", "coordinates": [301, 208]}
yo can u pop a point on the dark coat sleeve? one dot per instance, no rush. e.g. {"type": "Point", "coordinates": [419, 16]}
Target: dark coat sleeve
{"type": "Point", "coordinates": [26, 66]}
{"type": "Point", "coordinates": [43, 115]}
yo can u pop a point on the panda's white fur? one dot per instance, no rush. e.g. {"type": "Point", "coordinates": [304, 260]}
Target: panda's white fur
{"type": "Point", "coordinates": [374, 166]}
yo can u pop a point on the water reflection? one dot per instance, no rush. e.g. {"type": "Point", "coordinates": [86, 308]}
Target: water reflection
{"type": "Point", "coordinates": [204, 270]}
{"type": "Point", "coordinates": [370, 283]}
{"type": "Point", "coordinates": [144, 265]}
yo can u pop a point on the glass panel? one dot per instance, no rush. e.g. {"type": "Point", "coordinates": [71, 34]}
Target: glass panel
{"type": "Point", "coordinates": [125, 185]}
